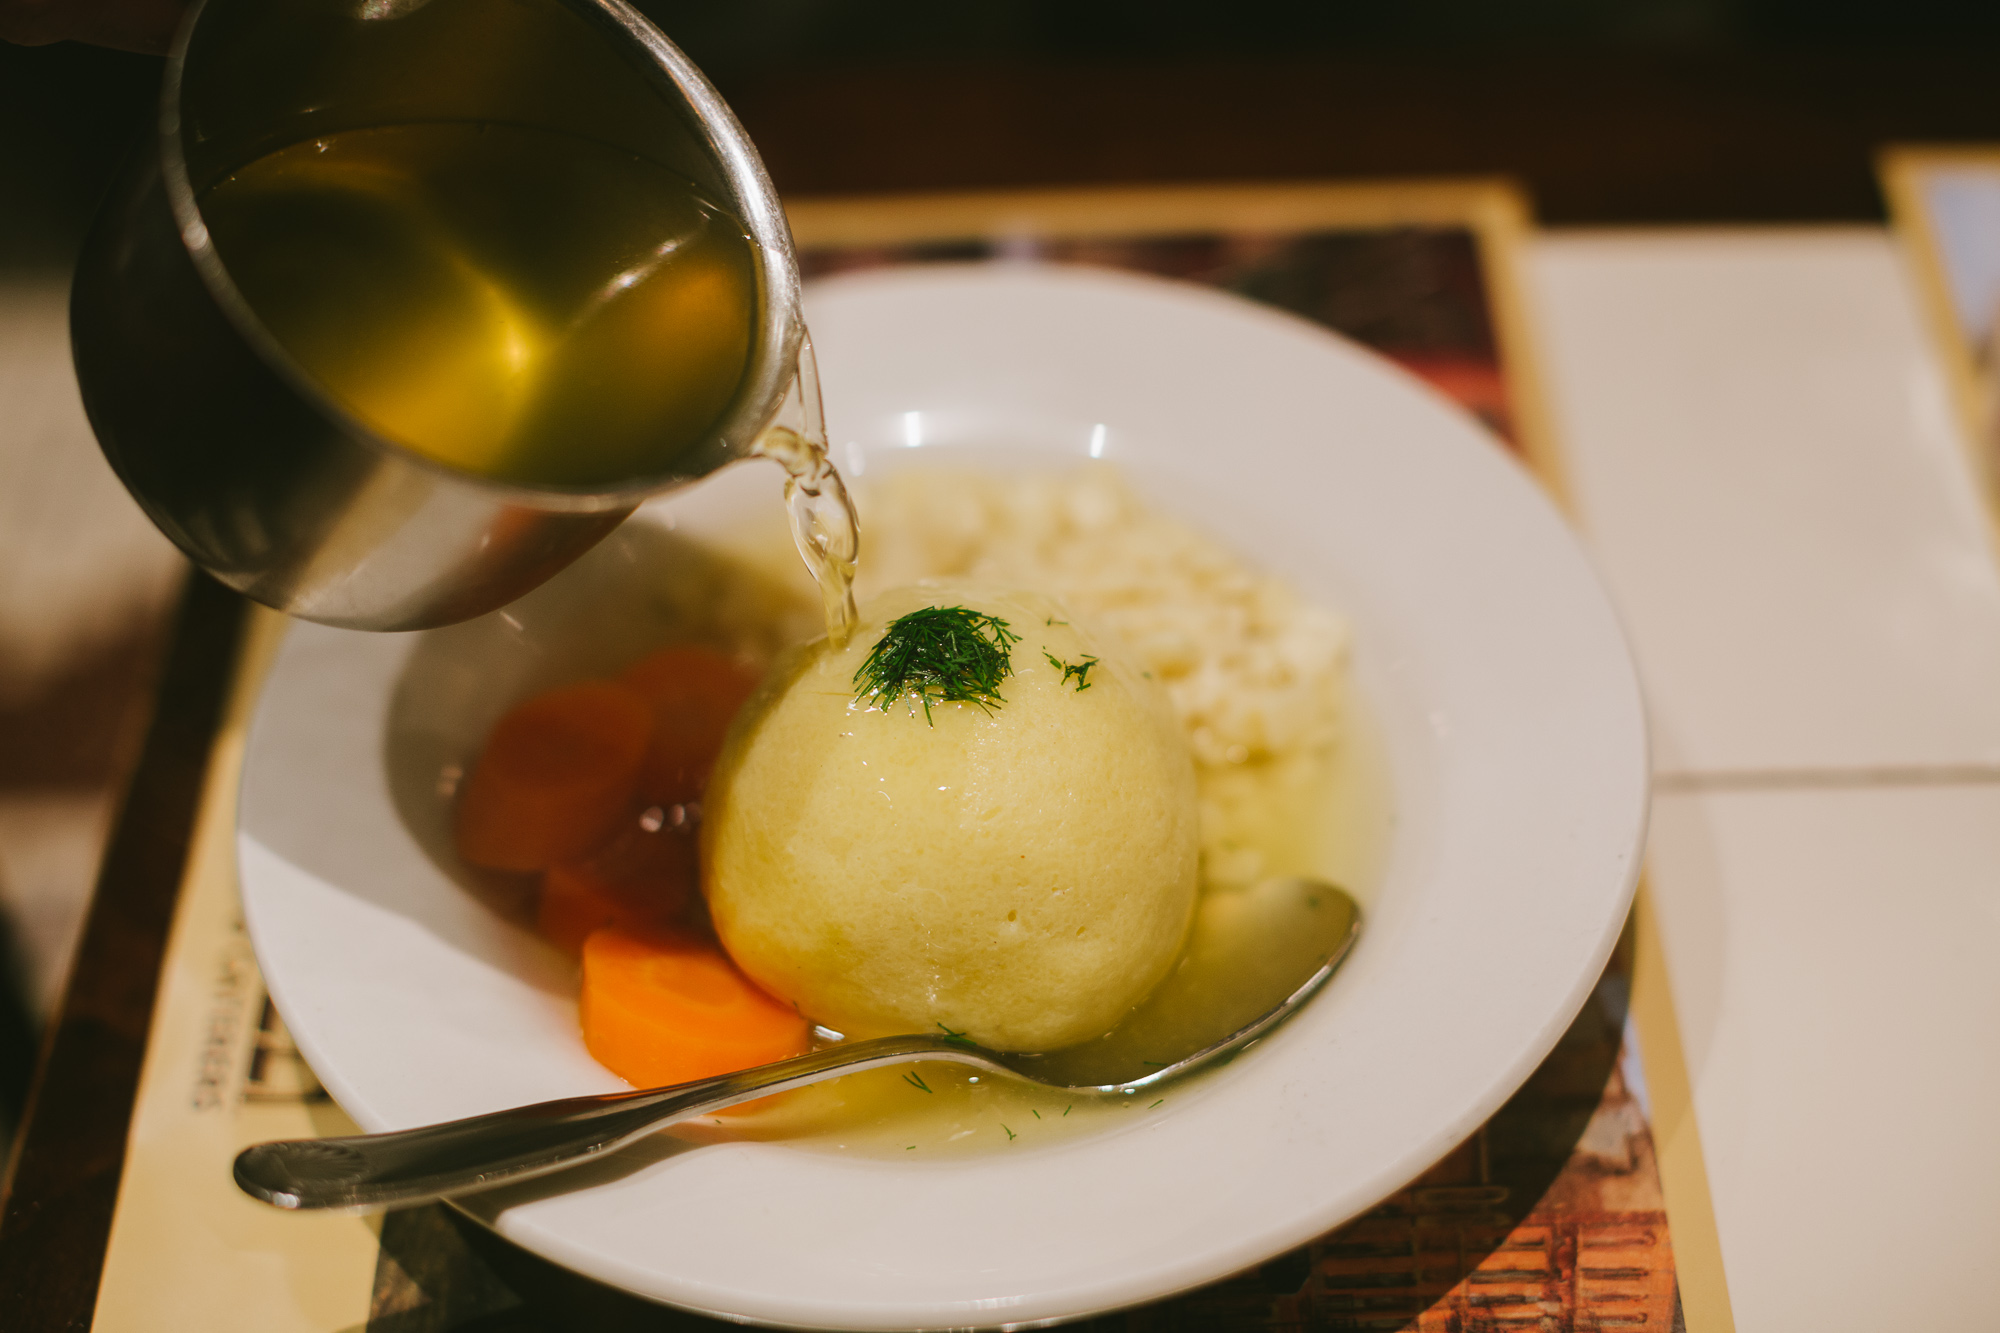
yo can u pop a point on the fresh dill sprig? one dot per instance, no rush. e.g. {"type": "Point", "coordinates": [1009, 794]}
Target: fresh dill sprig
{"type": "Point", "coordinates": [955, 1038]}
{"type": "Point", "coordinates": [1081, 671]}
{"type": "Point", "coordinates": [941, 654]}
{"type": "Point", "coordinates": [1011, 1135]}
{"type": "Point", "coordinates": [917, 1081]}
{"type": "Point", "coordinates": [1161, 1102]}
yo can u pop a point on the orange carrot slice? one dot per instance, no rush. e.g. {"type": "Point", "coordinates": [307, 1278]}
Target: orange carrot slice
{"type": "Point", "coordinates": [556, 778]}
{"type": "Point", "coordinates": [667, 1008]}
{"type": "Point", "coordinates": [695, 692]}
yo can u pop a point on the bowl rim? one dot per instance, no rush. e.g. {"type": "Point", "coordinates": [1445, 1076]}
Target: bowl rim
{"type": "Point", "coordinates": [1586, 944]}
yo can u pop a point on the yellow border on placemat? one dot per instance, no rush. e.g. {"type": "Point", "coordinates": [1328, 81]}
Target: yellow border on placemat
{"type": "Point", "coordinates": [1676, 1138]}
{"type": "Point", "coordinates": [1492, 209]}
{"type": "Point", "coordinates": [1697, 1242]}
{"type": "Point", "coordinates": [188, 1249]}
{"type": "Point", "coordinates": [1902, 169]}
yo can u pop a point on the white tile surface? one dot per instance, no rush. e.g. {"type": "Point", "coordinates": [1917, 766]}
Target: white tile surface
{"type": "Point", "coordinates": [1832, 955]}
{"type": "Point", "coordinates": [1761, 448]}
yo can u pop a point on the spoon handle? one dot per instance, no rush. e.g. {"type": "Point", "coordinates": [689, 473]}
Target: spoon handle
{"type": "Point", "coordinates": [461, 1156]}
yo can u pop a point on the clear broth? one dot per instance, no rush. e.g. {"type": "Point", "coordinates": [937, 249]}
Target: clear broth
{"type": "Point", "coordinates": [508, 301]}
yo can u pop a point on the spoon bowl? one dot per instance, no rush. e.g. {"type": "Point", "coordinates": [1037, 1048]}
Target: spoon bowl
{"type": "Point", "coordinates": [1304, 930]}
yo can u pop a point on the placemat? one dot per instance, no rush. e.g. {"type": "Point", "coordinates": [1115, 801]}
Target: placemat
{"type": "Point", "coordinates": [1554, 1216]}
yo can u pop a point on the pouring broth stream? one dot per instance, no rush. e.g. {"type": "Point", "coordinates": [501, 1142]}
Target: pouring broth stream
{"type": "Point", "coordinates": [522, 305]}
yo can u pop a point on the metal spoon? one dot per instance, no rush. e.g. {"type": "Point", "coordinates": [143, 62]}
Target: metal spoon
{"type": "Point", "coordinates": [1253, 958]}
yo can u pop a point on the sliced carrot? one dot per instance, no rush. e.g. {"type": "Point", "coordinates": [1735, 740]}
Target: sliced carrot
{"type": "Point", "coordinates": [695, 692]}
{"type": "Point", "coordinates": [666, 1008]}
{"type": "Point", "coordinates": [556, 778]}
{"type": "Point", "coordinates": [643, 879]}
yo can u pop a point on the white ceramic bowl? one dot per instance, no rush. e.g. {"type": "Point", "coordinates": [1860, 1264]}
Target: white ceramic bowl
{"type": "Point", "coordinates": [1514, 737]}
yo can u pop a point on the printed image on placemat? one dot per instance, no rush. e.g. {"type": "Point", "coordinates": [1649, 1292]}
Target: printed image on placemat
{"type": "Point", "coordinates": [1551, 1216]}
{"type": "Point", "coordinates": [1414, 294]}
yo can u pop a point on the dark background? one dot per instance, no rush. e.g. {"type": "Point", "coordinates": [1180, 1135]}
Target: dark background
{"type": "Point", "coordinates": [1611, 111]}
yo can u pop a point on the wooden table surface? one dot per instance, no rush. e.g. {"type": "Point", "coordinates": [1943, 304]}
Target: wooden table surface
{"type": "Point", "coordinates": [1599, 137]}
{"type": "Point", "coordinates": [63, 1177]}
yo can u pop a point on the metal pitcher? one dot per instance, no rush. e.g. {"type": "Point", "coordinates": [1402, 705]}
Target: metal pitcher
{"type": "Point", "coordinates": [231, 447]}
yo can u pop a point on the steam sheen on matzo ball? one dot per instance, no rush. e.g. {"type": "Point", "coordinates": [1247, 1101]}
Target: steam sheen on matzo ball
{"type": "Point", "coordinates": [1022, 871]}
